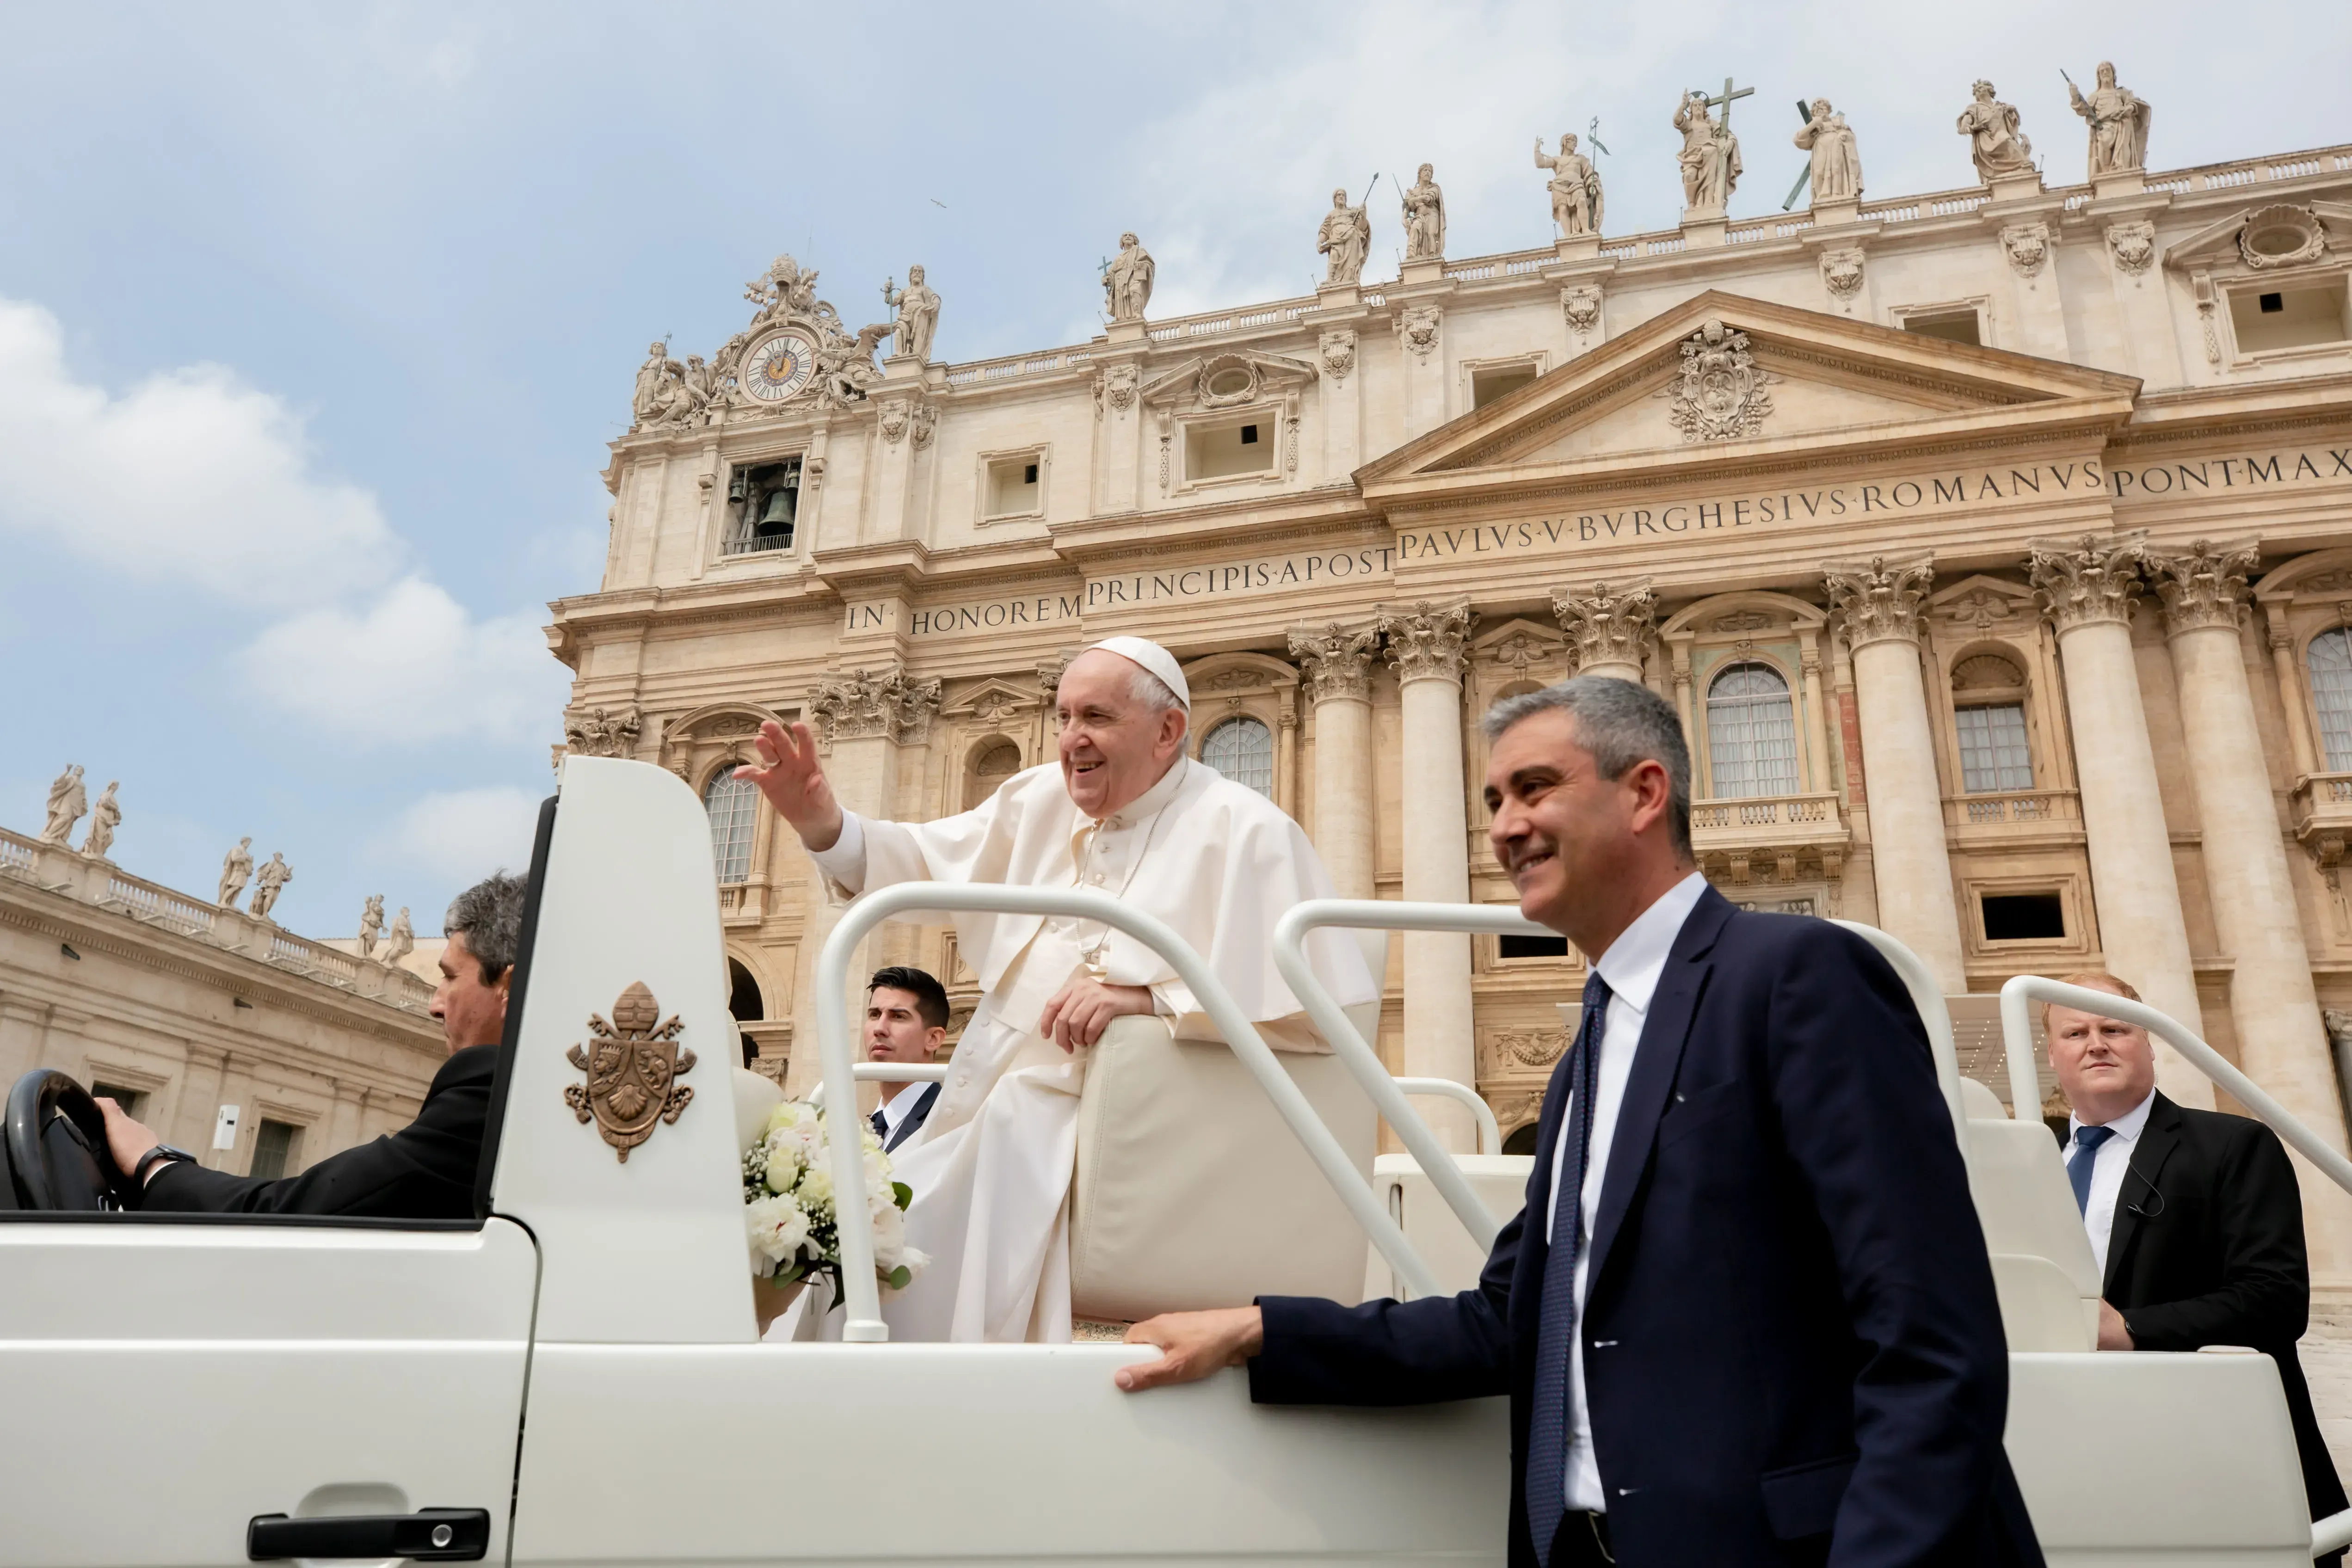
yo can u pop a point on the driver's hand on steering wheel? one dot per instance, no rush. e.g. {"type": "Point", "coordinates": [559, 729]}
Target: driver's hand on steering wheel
{"type": "Point", "coordinates": [125, 1139]}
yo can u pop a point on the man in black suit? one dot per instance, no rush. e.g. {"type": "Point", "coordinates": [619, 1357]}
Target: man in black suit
{"type": "Point", "coordinates": [905, 1020]}
{"type": "Point", "coordinates": [2194, 1217]}
{"type": "Point", "coordinates": [1760, 1327]}
{"type": "Point", "coordinates": [425, 1171]}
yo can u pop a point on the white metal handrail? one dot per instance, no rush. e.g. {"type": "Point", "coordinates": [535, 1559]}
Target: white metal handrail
{"type": "Point", "coordinates": [1490, 1131]}
{"type": "Point", "coordinates": [888, 1073]}
{"type": "Point", "coordinates": [2017, 1034]}
{"type": "Point", "coordinates": [865, 1324]}
{"type": "Point", "coordinates": [1927, 1002]}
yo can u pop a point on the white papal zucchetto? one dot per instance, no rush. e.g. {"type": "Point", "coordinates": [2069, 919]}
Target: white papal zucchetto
{"type": "Point", "coordinates": [1153, 657]}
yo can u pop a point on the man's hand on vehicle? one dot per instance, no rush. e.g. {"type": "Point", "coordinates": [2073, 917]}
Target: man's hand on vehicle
{"type": "Point", "coordinates": [1192, 1345]}
{"type": "Point", "coordinates": [1081, 1010]}
{"type": "Point", "coordinates": [125, 1139]}
{"type": "Point", "coordinates": [789, 775]}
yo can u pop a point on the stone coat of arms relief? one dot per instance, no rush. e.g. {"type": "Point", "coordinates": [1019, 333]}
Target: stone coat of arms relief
{"type": "Point", "coordinates": [1718, 394]}
{"type": "Point", "coordinates": [633, 1065]}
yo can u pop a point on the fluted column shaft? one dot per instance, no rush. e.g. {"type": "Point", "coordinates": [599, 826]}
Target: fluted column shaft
{"type": "Point", "coordinates": [2282, 1043]}
{"type": "Point", "coordinates": [1911, 864]}
{"type": "Point", "coordinates": [2087, 588]}
{"type": "Point", "coordinates": [1337, 666]}
{"type": "Point", "coordinates": [1427, 648]}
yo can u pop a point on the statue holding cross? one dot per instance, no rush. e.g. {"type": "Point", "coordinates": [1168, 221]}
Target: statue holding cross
{"type": "Point", "coordinates": [1710, 154]}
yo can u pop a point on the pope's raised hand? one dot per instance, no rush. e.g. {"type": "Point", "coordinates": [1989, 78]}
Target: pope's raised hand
{"type": "Point", "coordinates": [788, 774]}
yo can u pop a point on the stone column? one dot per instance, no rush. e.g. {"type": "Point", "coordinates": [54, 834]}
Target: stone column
{"type": "Point", "coordinates": [1608, 632]}
{"type": "Point", "coordinates": [1337, 662]}
{"type": "Point", "coordinates": [1817, 718]}
{"type": "Point", "coordinates": [2087, 587]}
{"type": "Point", "coordinates": [2281, 637]}
{"type": "Point", "coordinates": [1427, 647]}
{"type": "Point", "coordinates": [862, 720]}
{"type": "Point", "coordinates": [1911, 863]}
{"type": "Point", "coordinates": [2281, 1042]}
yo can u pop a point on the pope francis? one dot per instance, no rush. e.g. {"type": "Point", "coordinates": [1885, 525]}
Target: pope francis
{"type": "Point", "coordinates": [1130, 815]}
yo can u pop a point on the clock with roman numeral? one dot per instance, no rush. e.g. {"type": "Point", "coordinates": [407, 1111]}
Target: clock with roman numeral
{"type": "Point", "coordinates": [779, 366]}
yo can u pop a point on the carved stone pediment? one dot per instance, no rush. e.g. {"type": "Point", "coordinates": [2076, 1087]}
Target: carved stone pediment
{"type": "Point", "coordinates": [1980, 604]}
{"type": "Point", "coordinates": [1522, 650]}
{"type": "Point", "coordinates": [2265, 239]}
{"type": "Point", "coordinates": [1226, 380]}
{"type": "Point", "coordinates": [992, 701]}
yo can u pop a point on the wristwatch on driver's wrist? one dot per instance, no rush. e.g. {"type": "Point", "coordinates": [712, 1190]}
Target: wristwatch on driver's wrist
{"type": "Point", "coordinates": [161, 1155]}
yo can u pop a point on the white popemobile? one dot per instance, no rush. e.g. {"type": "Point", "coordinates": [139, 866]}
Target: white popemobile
{"type": "Point", "coordinates": [578, 1379]}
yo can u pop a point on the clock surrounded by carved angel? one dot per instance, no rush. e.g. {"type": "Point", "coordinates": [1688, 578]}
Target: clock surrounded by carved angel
{"type": "Point", "coordinates": [778, 367]}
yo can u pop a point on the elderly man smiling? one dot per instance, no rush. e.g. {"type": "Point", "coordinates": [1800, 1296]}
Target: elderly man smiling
{"type": "Point", "coordinates": [1126, 813]}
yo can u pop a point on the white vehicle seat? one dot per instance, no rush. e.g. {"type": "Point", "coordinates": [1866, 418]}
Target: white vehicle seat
{"type": "Point", "coordinates": [2042, 1262]}
{"type": "Point", "coordinates": [1429, 1222]}
{"type": "Point", "coordinates": [1190, 1192]}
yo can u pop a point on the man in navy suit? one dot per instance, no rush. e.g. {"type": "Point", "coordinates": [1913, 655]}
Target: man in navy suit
{"type": "Point", "coordinates": [905, 1020]}
{"type": "Point", "coordinates": [1761, 1328]}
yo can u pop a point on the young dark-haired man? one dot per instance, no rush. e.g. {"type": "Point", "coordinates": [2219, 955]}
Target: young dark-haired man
{"type": "Point", "coordinates": [905, 1020]}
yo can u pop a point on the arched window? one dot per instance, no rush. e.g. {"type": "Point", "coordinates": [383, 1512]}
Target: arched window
{"type": "Point", "coordinates": [990, 769]}
{"type": "Point", "coordinates": [729, 801]}
{"type": "Point", "coordinates": [1988, 712]}
{"type": "Point", "coordinates": [1243, 750]}
{"type": "Point", "coordinates": [1751, 733]}
{"type": "Point", "coordinates": [2331, 693]}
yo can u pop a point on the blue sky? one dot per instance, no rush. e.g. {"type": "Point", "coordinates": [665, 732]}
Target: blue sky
{"type": "Point", "coordinates": [314, 320]}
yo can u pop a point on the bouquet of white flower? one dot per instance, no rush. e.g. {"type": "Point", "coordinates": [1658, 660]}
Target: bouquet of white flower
{"type": "Point", "coordinates": [790, 1206]}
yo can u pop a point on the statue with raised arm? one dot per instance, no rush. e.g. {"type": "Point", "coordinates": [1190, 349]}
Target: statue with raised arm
{"type": "Point", "coordinates": [917, 318]}
{"type": "Point", "coordinates": [1837, 164]}
{"type": "Point", "coordinates": [1710, 155]}
{"type": "Point", "coordinates": [2118, 119]}
{"type": "Point", "coordinates": [1575, 188]}
{"type": "Point", "coordinates": [1345, 235]}
{"type": "Point", "coordinates": [269, 882]}
{"type": "Point", "coordinates": [1126, 280]}
{"type": "Point", "coordinates": [104, 818]}
{"type": "Point", "coordinates": [1424, 217]}
{"type": "Point", "coordinates": [236, 870]}
{"type": "Point", "coordinates": [371, 924]}
{"type": "Point", "coordinates": [2001, 150]}
{"type": "Point", "coordinates": [401, 940]}
{"type": "Point", "coordinates": [67, 801]}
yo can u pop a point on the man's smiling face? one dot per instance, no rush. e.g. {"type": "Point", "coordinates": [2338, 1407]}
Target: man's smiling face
{"type": "Point", "coordinates": [1564, 833]}
{"type": "Point", "coordinates": [1113, 746]}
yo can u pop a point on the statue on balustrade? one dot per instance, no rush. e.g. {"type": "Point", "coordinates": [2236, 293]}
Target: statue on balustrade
{"type": "Point", "coordinates": [1710, 155]}
{"type": "Point", "coordinates": [1126, 280]}
{"type": "Point", "coordinates": [1575, 187]}
{"type": "Point", "coordinates": [1837, 163]}
{"type": "Point", "coordinates": [1424, 217]}
{"type": "Point", "coordinates": [917, 318]}
{"type": "Point", "coordinates": [104, 818]}
{"type": "Point", "coordinates": [401, 940]}
{"type": "Point", "coordinates": [2118, 120]}
{"type": "Point", "coordinates": [371, 924]}
{"type": "Point", "coordinates": [269, 882]}
{"type": "Point", "coordinates": [646, 402]}
{"type": "Point", "coordinates": [67, 801]}
{"type": "Point", "coordinates": [2001, 150]}
{"type": "Point", "coordinates": [1345, 235]}
{"type": "Point", "coordinates": [236, 870]}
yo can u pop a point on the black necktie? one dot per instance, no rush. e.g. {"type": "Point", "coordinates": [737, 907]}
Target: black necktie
{"type": "Point", "coordinates": [881, 1126]}
{"type": "Point", "coordinates": [1547, 1423]}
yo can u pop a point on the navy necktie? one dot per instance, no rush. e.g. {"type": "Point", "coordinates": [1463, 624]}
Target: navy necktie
{"type": "Point", "coordinates": [881, 1126]}
{"type": "Point", "coordinates": [2086, 1155]}
{"type": "Point", "coordinates": [1547, 1423]}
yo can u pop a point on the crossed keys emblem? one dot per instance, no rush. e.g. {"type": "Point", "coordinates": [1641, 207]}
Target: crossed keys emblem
{"type": "Point", "coordinates": [633, 1065]}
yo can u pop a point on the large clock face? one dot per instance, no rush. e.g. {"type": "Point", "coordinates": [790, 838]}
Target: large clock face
{"type": "Point", "coordinates": [778, 367]}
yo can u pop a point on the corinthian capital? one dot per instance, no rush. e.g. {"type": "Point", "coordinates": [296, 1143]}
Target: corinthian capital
{"type": "Point", "coordinates": [863, 704]}
{"type": "Point", "coordinates": [1606, 626]}
{"type": "Point", "coordinates": [2085, 581]}
{"type": "Point", "coordinates": [1337, 662]}
{"type": "Point", "coordinates": [1428, 641]}
{"type": "Point", "coordinates": [2205, 587]}
{"type": "Point", "coordinates": [1880, 603]}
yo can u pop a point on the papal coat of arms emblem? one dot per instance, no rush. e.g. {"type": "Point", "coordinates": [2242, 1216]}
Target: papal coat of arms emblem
{"type": "Point", "coordinates": [632, 1066]}
{"type": "Point", "coordinates": [1717, 394]}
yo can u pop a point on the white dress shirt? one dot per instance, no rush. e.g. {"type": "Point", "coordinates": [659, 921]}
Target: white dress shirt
{"type": "Point", "coordinates": [1631, 968]}
{"type": "Point", "coordinates": [898, 1107]}
{"type": "Point", "coordinates": [2114, 1159]}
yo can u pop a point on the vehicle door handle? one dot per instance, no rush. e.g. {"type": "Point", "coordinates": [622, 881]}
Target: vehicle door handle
{"type": "Point", "coordinates": [429, 1535]}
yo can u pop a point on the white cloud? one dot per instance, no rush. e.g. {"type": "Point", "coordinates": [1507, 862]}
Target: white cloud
{"type": "Point", "coordinates": [463, 835]}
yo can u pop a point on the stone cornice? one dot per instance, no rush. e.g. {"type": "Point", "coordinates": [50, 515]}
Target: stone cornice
{"type": "Point", "coordinates": [2088, 581]}
{"type": "Point", "coordinates": [1880, 603]}
{"type": "Point", "coordinates": [2204, 585]}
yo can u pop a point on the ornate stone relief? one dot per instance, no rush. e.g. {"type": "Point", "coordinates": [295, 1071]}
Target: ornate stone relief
{"type": "Point", "coordinates": [2204, 587]}
{"type": "Point", "coordinates": [1417, 327]}
{"type": "Point", "coordinates": [597, 733]}
{"type": "Point", "coordinates": [1987, 672]}
{"type": "Point", "coordinates": [2083, 582]}
{"type": "Point", "coordinates": [2027, 248]}
{"type": "Point", "coordinates": [861, 704]}
{"type": "Point", "coordinates": [925, 423]}
{"type": "Point", "coordinates": [1880, 603]}
{"type": "Point", "coordinates": [2133, 247]}
{"type": "Point", "coordinates": [893, 421]}
{"type": "Point", "coordinates": [1528, 1047]}
{"type": "Point", "coordinates": [1426, 642]}
{"type": "Point", "coordinates": [796, 350]}
{"type": "Point", "coordinates": [1717, 394]}
{"type": "Point", "coordinates": [1579, 303]}
{"type": "Point", "coordinates": [1336, 661]}
{"type": "Point", "coordinates": [1979, 610]}
{"type": "Point", "coordinates": [1841, 274]}
{"type": "Point", "coordinates": [1746, 621]}
{"type": "Point", "coordinates": [1518, 655]}
{"type": "Point", "coordinates": [1338, 352]}
{"type": "Point", "coordinates": [1606, 626]}
{"type": "Point", "coordinates": [2281, 236]}
{"type": "Point", "coordinates": [1114, 387]}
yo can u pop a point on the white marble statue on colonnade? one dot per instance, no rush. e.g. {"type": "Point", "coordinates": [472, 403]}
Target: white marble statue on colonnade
{"type": "Point", "coordinates": [67, 801]}
{"type": "Point", "coordinates": [371, 924]}
{"type": "Point", "coordinates": [1346, 235]}
{"type": "Point", "coordinates": [104, 818]}
{"type": "Point", "coordinates": [269, 882]}
{"type": "Point", "coordinates": [1837, 162]}
{"type": "Point", "coordinates": [1710, 155]}
{"type": "Point", "coordinates": [1424, 217]}
{"type": "Point", "coordinates": [2001, 150]}
{"type": "Point", "coordinates": [401, 940]}
{"type": "Point", "coordinates": [917, 318]}
{"type": "Point", "coordinates": [2118, 120]}
{"type": "Point", "coordinates": [1575, 187]}
{"type": "Point", "coordinates": [1127, 279]}
{"type": "Point", "coordinates": [236, 870]}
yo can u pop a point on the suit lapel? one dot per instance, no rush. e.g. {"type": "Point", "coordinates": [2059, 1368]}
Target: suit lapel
{"type": "Point", "coordinates": [1664, 1030]}
{"type": "Point", "coordinates": [2156, 1141]}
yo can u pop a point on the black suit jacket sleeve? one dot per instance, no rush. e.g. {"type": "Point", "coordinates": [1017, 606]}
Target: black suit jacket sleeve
{"type": "Point", "coordinates": [2264, 1298]}
{"type": "Point", "coordinates": [425, 1171]}
{"type": "Point", "coordinates": [1392, 1353]}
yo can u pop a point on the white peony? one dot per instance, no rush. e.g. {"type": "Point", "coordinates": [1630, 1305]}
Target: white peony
{"type": "Point", "coordinates": [816, 1188]}
{"type": "Point", "coordinates": [778, 1229]}
{"type": "Point", "coordinates": [784, 1163]}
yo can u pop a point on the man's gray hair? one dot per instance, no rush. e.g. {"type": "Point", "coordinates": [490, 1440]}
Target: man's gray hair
{"type": "Point", "coordinates": [1153, 693]}
{"type": "Point", "coordinates": [1621, 723]}
{"type": "Point", "coordinates": [488, 915]}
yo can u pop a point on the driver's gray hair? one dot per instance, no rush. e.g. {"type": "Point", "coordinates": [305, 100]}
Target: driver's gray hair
{"type": "Point", "coordinates": [1621, 723]}
{"type": "Point", "coordinates": [488, 915]}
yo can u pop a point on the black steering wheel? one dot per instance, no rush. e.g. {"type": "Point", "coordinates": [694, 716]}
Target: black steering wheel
{"type": "Point", "coordinates": [57, 1145]}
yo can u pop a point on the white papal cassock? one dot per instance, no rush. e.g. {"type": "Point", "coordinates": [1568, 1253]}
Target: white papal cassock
{"type": "Point", "coordinates": [991, 1167]}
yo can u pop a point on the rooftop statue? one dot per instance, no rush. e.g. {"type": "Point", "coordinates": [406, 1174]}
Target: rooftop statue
{"type": "Point", "coordinates": [1424, 217]}
{"type": "Point", "coordinates": [917, 318]}
{"type": "Point", "coordinates": [67, 801]}
{"type": "Point", "coordinates": [371, 924]}
{"type": "Point", "coordinates": [236, 870]}
{"type": "Point", "coordinates": [269, 882]}
{"type": "Point", "coordinates": [2001, 150]}
{"type": "Point", "coordinates": [1710, 155]}
{"type": "Point", "coordinates": [1575, 188]}
{"type": "Point", "coordinates": [1837, 164]}
{"type": "Point", "coordinates": [104, 818]}
{"type": "Point", "coordinates": [1345, 235]}
{"type": "Point", "coordinates": [2118, 119]}
{"type": "Point", "coordinates": [401, 941]}
{"type": "Point", "coordinates": [1126, 280]}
